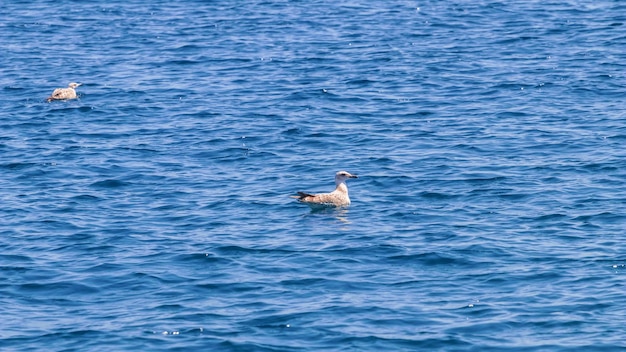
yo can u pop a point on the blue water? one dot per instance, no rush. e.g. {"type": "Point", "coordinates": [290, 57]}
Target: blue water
{"type": "Point", "coordinates": [153, 213]}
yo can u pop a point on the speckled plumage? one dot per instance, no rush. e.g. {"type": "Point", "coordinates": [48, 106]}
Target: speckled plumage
{"type": "Point", "coordinates": [64, 93]}
{"type": "Point", "coordinates": [337, 198]}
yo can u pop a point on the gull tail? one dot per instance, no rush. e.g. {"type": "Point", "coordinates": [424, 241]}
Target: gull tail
{"type": "Point", "coordinates": [301, 195]}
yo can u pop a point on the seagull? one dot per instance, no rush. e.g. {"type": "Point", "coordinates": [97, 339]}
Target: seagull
{"type": "Point", "coordinates": [64, 93]}
{"type": "Point", "coordinates": [337, 198]}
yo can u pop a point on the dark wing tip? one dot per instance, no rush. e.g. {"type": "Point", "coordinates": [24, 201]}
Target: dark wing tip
{"type": "Point", "coordinates": [302, 195]}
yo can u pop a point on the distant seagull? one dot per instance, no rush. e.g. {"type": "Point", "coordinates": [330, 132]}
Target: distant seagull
{"type": "Point", "coordinates": [337, 198]}
{"type": "Point", "coordinates": [64, 93]}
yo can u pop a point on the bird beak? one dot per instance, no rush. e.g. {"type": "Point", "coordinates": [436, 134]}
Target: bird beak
{"type": "Point", "coordinates": [354, 176]}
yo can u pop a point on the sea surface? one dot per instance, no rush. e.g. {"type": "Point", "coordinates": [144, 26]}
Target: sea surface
{"type": "Point", "coordinates": [153, 212]}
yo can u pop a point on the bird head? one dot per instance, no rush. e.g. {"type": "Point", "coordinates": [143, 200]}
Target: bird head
{"type": "Point", "coordinates": [342, 176]}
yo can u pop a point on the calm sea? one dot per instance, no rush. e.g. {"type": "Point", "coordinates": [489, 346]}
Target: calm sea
{"type": "Point", "coordinates": [153, 212]}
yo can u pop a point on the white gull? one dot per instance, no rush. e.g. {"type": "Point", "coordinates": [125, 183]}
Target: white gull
{"type": "Point", "coordinates": [64, 93]}
{"type": "Point", "coordinates": [337, 198]}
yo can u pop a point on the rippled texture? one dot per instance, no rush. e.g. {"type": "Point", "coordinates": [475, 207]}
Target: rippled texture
{"type": "Point", "coordinates": [152, 213]}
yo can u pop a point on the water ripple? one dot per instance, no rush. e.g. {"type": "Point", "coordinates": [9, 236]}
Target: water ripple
{"type": "Point", "coordinates": [153, 212]}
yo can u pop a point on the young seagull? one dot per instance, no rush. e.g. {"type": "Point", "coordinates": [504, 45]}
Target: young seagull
{"type": "Point", "coordinates": [337, 198]}
{"type": "Point", "coordinates": [64, 93]}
